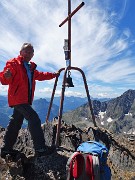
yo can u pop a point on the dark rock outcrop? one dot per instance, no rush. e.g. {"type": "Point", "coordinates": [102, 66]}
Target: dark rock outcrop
{"type": "Point", "coordinates": [121, 157]}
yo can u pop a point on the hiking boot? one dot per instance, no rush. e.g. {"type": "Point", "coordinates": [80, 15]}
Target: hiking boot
{"type": "Point", "coordinates": [44, 152]}
{"type": "Point", "coordinates": [11, 152]}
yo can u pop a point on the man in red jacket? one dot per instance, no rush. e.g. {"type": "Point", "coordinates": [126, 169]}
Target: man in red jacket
{"type": "Point", "coordinates": [20, 74]}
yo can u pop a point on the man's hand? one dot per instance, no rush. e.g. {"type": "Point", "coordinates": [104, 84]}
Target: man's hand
{"type": "Point", "coordinates": [7, 74]}
{"type": "Point", "coordinates": [57, 74]}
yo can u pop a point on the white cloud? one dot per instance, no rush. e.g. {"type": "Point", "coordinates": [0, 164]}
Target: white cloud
{"type": "Point", "coordinates": [42, 29]}
{"type": "Point", "coordinates": [102, 95]}
{"type": "Point", "coordinates": [3, 89]}
{"type": "Point", "coordinates": [104, 91]}
{"type": "Point", "coordinates": [48, 91]}
{"type": "Point", "coordinates": [118, 71]}
{"type": "Point", "coordinates": [99, 46]}
{"type": "Point", "coordinates": [74, 93]}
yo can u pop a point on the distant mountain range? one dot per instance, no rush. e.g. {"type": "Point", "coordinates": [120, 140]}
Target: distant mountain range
{"type": "Point", "coordinates": [117, 115]}
{"type": "Point", "coordinates": [41, 106]}
{"type": "Point", "coordinates": [70, 103]}
{"type": "Point", "coordinates": [5, 111]}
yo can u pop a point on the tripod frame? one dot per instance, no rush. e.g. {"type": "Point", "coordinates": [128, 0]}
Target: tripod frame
{"type": "Point", "coordinates": [69, 67]}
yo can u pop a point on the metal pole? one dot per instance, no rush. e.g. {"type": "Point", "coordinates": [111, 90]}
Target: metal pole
{"type": "Point", "coordinates": [69, 31]}
{"type": "Point", "coordinates": [52, 97]}
{"type": "Point", "coordinates": [61, 109]}
{"type": "Point", "coordinates": [88, 95]}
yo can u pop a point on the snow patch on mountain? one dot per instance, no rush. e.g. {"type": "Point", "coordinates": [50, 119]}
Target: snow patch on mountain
{"type": "Point", "coordinates": [101, 114]}
{"type": "Point", "coordinates": [129, 114]}
{"type": "Point", "coordinates": [102, 123]}
{"type": "Point", "coordinates": [109, 119]}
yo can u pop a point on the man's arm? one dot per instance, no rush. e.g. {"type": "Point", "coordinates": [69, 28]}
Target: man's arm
{"type": "Point", "coordinates": [41, 76]}
{"type": "Point", "coordinates": [7, 74]}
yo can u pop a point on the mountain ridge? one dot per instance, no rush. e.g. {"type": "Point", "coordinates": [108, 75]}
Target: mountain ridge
{"type": "Point", "coordinates": [117, 114]}
{"type": "Point", "coordinates": [112, 114]}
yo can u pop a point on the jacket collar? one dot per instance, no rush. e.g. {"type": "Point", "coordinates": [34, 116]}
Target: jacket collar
{"type": "Point", "coordinates": [21, 60]}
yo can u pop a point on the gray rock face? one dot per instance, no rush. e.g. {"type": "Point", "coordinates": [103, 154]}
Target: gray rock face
{"type": "Point", "coordinates": [117, 115]}
{"type": "Point", "coordinates": [121, 157]}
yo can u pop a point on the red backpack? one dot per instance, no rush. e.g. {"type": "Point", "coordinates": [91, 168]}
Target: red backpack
{"type": "Point", "coordinates": [80, 167]}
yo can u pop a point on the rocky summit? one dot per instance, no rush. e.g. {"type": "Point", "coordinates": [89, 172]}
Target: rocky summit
{"type": "Point", "coordinates": [121, 157]}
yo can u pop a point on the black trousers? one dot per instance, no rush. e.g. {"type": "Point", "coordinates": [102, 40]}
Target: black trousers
{"type": "Point", "coordinates": [34, 124]}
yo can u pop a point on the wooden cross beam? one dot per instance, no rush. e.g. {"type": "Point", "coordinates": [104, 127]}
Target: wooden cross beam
{"type": "Point", "coordinates": [71, 14]}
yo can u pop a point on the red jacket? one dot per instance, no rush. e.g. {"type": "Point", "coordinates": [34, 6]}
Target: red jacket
{"type": "Point", "coordinates": [18, 91]}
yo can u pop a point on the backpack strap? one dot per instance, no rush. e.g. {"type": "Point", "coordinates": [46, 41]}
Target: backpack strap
{"type": "Point", "coordinates": [75, 165]}
{"type": "Point", "coordinates": [96, 167]}
{"type": "Point", "coordinates": [89, 167]}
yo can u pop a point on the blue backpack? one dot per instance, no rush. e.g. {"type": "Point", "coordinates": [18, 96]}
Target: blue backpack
{"type": "Point", "coordinates": [96, 148]}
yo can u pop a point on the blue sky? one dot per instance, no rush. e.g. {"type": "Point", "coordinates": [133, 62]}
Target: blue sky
{"type": "Point", "coordinates": [103, 42]}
